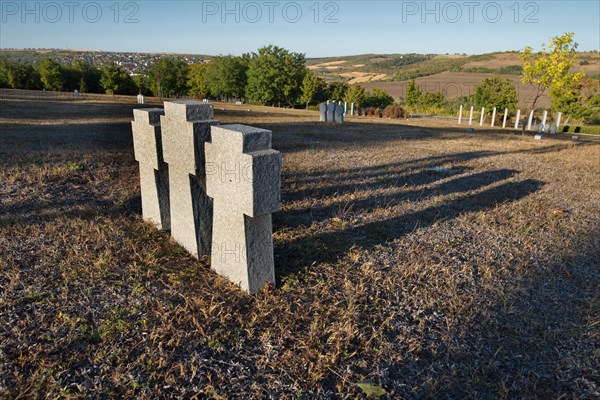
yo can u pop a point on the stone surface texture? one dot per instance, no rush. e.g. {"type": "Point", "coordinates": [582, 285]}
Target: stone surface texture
{"type": "Point", "coordinates": [154, 176]}
{"type": "Point", "coordinates": [186, 126]}
{"type": "Point", "coordinates": [243, 178]}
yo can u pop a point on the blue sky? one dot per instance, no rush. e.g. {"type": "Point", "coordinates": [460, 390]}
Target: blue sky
{"type": "Point", "coordinates": [317, 28]}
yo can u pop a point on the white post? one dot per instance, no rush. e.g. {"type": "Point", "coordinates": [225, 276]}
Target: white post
{"type": "Point", "coordinates": [471, 116]}
{"type": "Point", "coordinates": [544, 117]}
{"type": "Point", "coordinates": [530, 120]}
{"type": "Point", "coordinates": [481, 118]}
{"type": "Point", "coordinates": [346, 108]}
{"type": "Point", "coordinates": [460, 114]}
{"type": "Point", "coordinates": [493, 117]}
{"type": "Point", "coordinates": [517, 118]}
{"type": "Point", "coordinates": [352, 109]}
{"type": "Point", "coordinates": [505, 116]}
{"type": "Point", "coordinates": [558, 117]}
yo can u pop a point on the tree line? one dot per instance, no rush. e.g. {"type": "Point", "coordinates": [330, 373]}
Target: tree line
{"type": "Point", "coordinates": [272, 76]}
{"type": "Point", "coordinates": [275, 76]}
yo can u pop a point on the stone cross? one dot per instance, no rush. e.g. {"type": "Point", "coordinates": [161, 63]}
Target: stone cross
{"type": "Point", "coordinates": [185, 128]}
{"type": "Point", "coordinates": [243, 179]}
{"type": "Point", "coordinates": [331, 111]}
{"type": "Point", "coordinates": [339, 114]}
{"type": "Point", "coordinates": [323, 111]}
{"type": "Point", "coordinates": [154, 175]}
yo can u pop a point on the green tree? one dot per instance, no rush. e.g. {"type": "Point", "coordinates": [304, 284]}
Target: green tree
{"type": "Point", "coordinates": [197, 80]}
{"type": "Point", "coordinates": [496, 92]}
{"type": "Point", "coordinates": [356, 94]}
{"type": "Point", "coordinates": [169, 76]}
{"type": "Point", "coordinates": [432, 100]}
{"type": "Point", "coordinates": [115, 80]}
{"type": "Point", "coordinates": [18, 76]}
{"type": "Point", "coordinates": [314, 89]}
{"type": "Point", "coordinates": [89, 77]}
{"type": "Point", "coordinates": [275, 76]}
{"type": "Point", "coordinates": [226, 76]}
{"type": "Point", "coordinates": [337, 90]}
{"type": "Point", "coordinates": [413, 94]}
{"type": "Point", "coordinates": [51, 74]}
{"type": "Point", "coordinates": [142, 84]}
{"type": "Point", "coordinates": [551, 69]}
{"type": "Point", "coordinates": [378, 98]}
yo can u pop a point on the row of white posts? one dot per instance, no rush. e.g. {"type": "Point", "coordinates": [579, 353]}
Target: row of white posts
{"type": "Point", "coordinates": [518, 117]}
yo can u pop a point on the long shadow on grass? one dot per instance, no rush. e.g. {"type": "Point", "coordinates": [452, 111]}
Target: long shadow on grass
{"type": "Point", "coordinates": [300, 252]}
{"type": "Point", "coordinates": [461, 184]}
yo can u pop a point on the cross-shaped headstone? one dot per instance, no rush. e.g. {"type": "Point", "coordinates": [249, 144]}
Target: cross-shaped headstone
{"type": "Point", "coordinates": [331, 112]}
{"type": "Point", "coordinates": [339, 114]}
{"type": "Point", "coordinates": [154, 178]}
{"type": "Point", "coordinates": [323, 112]}
{"type": "Point", "coordinates": [243, 179]}
{"type": "Point", "coordinates": [185, 128]}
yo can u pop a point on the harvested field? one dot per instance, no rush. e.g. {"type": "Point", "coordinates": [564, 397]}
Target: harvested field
{"type": "Point", "coordinates": [455, 84]}
{"type": "Point", "coordinates": [422, 259]}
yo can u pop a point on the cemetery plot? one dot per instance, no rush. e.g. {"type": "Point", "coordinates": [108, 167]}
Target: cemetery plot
{"type": "Point", "coordinates": [421, 258]}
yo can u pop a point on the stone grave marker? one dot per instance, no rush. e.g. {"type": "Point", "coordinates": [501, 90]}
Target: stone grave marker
{"type": "Point", "coordinates": [243, 179]}
{"type": "Point", "coordinates": [323, 112]}
{"type": "Point", "coordinates": [185, 128]}
{"type": "Point", "coordinates": [331, 112]}
{"type": "Point", "coordinates": [154, 175]}
{"type": "Point", "coordinates": [339, 114]}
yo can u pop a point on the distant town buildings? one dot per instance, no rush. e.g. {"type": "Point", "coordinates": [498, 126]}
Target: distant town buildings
{"type": "Point", "coordinates": [134, 63]}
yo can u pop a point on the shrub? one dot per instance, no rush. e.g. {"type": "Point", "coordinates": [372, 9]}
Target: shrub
{"type": "Point", "coordinates": [393, 111]}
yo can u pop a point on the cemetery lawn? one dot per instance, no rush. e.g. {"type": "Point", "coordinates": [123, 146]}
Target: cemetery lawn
{"type": "Point", "coordinates": [413, 260]}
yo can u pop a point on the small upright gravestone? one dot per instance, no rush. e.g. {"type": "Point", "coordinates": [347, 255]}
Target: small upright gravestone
{"type": "Point", "coordinates": [331, 112]}
{"type": "Point", "coordinates": [154, 176]}
{"type": "Point", "coordinates": [185, 128]}
{"type": "Point", "coordinates": [323, 112]}
{"type": "Point", "coordinates": [243, 178]}
{"type": "Point", "coordinates": [339, 114]}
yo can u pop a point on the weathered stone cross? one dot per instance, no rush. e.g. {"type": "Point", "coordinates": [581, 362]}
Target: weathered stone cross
{"type": "Point", "coordinates": [243, 176]}
{"type": "Point", "coordinates": [185, 128]}
{"type": "Point", "coordinates": [154, 178]}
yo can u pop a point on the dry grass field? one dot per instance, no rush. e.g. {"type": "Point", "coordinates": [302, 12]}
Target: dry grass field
{"type": "Point", "coordinates": [415, 257]}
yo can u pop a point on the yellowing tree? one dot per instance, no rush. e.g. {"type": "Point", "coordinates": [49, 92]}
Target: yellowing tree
{"type": "Point", "coordinates": [551, 69]}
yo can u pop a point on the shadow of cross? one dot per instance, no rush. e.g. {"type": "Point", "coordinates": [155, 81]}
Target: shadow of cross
{"type": "Point", "coordinates": [243, 177]}
{"type": "Point", "coordinates": [154, 178]}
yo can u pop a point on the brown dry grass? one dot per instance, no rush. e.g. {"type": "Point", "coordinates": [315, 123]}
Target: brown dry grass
{"type": "Point", "coordinates": [479, 281]}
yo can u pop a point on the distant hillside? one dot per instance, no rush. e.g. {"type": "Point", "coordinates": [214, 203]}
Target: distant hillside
{"type": "Point", "coordinates": [401, 67]}
{"type": "Point", "coordinates": [453, 75]}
